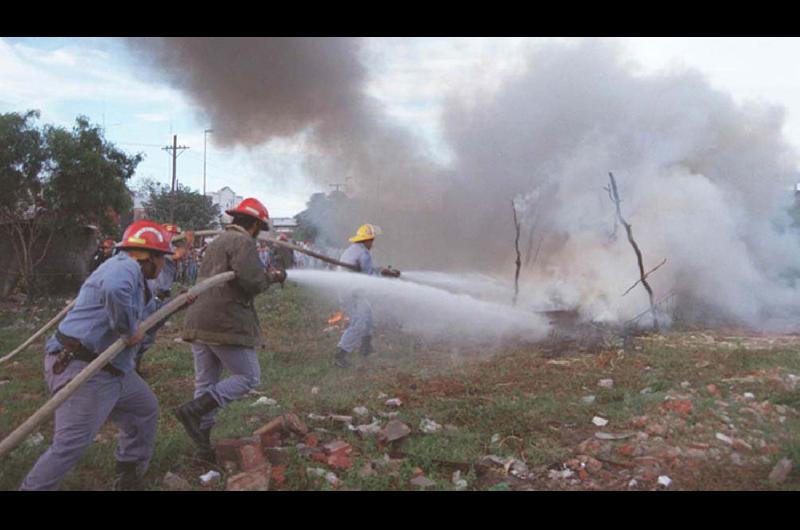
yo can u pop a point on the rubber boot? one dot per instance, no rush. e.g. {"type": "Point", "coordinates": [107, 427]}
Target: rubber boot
{"type": "Point", "coordinates": [366, 346]}
{"type": "Point", "coordinates": [127, 477]}
{"type": "Point", "coordinates": [341, 359]}
{"type": "Point", "coordinates": [191, 413]}
{"type": "Point", "coordinates": [206, 451]}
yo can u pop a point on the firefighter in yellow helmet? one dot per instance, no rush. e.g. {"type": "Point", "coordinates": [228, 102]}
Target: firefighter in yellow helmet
{"type": "Point", "coordinates": [359, 330]}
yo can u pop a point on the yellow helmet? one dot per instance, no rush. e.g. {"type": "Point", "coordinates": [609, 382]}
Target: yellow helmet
{"type": "Point", "coordinates": [366, 232]}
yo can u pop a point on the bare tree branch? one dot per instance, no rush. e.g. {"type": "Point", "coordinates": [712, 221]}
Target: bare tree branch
{"type": "Point", "coordinates": [638, 252]}
{"type": "Point", "coordinates": [646, 275]}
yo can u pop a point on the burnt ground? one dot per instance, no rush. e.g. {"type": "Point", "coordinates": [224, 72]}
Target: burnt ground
{"type": "Point", "coordinates": [699, 410]}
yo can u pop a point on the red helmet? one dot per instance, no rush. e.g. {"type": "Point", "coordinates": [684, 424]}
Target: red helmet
{"type": "Point", "coordinates": [252, 208]}
{"type": "Point", "coordinates": [283, 237]}
{"type": "Point", "coordinates": [145, 235]}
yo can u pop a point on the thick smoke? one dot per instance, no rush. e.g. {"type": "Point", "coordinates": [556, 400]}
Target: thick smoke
{"type": "Point", "coordinates": [704, 180]}
{"type": "Point", "coordinates": [259, 89]}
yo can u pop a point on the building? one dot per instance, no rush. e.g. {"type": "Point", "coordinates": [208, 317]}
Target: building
{"type": "Point", "coordinates": [284, 225]}
{"type": "Point", "coordinates": [226, 198]}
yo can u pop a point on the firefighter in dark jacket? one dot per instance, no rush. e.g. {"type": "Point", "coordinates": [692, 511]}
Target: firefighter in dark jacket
{"type": "Point", "coordinates": [222, 324]}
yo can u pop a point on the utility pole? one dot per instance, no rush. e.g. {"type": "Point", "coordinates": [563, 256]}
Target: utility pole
{"type": "Point", "coordinates": [205, 134]}
{"type": "Point", "coordinates": [174, 148]}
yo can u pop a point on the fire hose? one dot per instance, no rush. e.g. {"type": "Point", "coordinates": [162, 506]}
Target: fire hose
{"type": "Point", "coordinates": [41, 415]}
{"type": "Point", "coordinates": [39, 333]}
{"type": "Point", "coordinates": [286, 244]}
{"type": "Point", "coordinates": [179, 237]}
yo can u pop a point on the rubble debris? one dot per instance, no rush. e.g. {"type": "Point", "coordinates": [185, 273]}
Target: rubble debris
{"type": "Point", "coordinates": [314, 390]}
{"type": "Point", "coordinates": [210, 478]}
{"type": "Point", "coordinates": [316, 417]}
{"type": "Point", "coordinates": [556, 475]}
{"type": "Point", "coordinates": [332, 479]}
{"type": "Point", "coordinates": [253, 480]}
{"type": "Point", "coordinates": [459, 482]}
{"type": "Point", "coordinates": [277, 456]}
{"type": "Point", "coordinates": [606, 383]}
{"type": "Point", "coordinates": [394, 430]}
{"type": "Point", "coordinates": [781, 471]}
{"type": "Point", "coordinates": [393, 402]}
{"type": "Point", "coordinates": [381, 395]}
{"type": "Point", "coordinates": [646, 390]}
{"type": "Point", "coordinates": [588, 400]}
{"type": "Point", "coordinates": [429, 426]}
{"type": "Point", "coordinates": [613, 436]}
{"type": "Point", "coordinates": [724, 438]}
{"type": "Point", "coordinates": [244, 453]}
{"type": "Point", "coordinates": [685, 384]}
{"type": "Point", "coordinates": [389, 415]}
{"type": "Point", "coordinates": [263, 400]}
{"type": "Point", "coordinates": [294, 425]}
{"type": "Point", "coordinates": [748, 395]}
{"type": "Point", "coordinates": [664, 480]}
{"type": "Point", "coordinates": [600, 422]}
{"type": "Point", "coordinates": [633, 483]}
{"type": "Point", "coordinates": [173, 482]}
{"type": "Point", "coordinates": [34, 439]}
{"type": "Point", "coordinates": [422, 482]}
{"type": "Point", "coordinates": [360, 411]}
{"type": "Point", "coordinates": [495, 439]}
{"type": "Point", "coordinates": [682, 407]}
{"type": "Point", "coordinates": [368, 429]}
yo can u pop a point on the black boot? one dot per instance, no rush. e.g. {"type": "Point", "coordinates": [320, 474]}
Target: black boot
{"type": "Point", "coordinates": [366, 345]}
{"type": "Point", "coordinates": [191, 413]}
{"type": "Point", "coordinates": [205, 452]}
{"type": "Point", "coordinates": [127, 477]}
{"type": "Point", "coordinates": [341, 359]}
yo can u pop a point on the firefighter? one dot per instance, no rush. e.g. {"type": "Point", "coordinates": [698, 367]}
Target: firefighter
{"type": "Point", "coordinates": [161, 287]}
{"type": "Point", "coordinates": [104, 251]}
{"type": "Point", "coordinates": [283, 258]}
{"type": "Point", "coordinates": [223, 326]}
{"type": "Point", "coordinates": [111, 304]}
{"type": "Point", "coordinates": [359, 329]}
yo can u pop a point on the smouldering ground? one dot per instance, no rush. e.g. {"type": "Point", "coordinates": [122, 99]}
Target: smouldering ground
{"type": "Point", "coordinates": [525, 408]}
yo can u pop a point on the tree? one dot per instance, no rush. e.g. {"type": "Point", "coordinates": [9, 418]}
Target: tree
{"type": "Point", "coordinates": [193, 211]}
{"type": "Point", "coordinates": [57, 181]}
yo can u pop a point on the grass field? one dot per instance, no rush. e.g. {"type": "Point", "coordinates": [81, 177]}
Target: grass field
{"type": "Point", "coordinates": [531, 411]}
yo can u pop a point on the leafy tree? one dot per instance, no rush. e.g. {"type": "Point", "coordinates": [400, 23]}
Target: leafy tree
{"type": "Point", "coordinates": [193, 211]}
{"type": "Point", "coordinates": [57, 181]}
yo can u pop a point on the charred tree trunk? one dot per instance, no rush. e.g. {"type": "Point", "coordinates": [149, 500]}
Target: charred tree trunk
{"type": "Point", "coordinates": [516, 246]}
{"type": "Point", "coordinates": [640, 261]}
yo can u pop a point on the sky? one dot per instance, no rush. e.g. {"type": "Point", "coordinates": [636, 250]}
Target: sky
{"type": "Point", "coordinates": [98, 78]}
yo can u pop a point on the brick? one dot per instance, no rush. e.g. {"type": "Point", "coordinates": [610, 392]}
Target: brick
{"type": "Point", "coordinates": [253, 480]}
{"type": "Point", "coordinates": [319, 457]}
{"type": "Point", "coordinates": [340, 461]}
{"type": "Point", "coordinates": [293, 424]}
{"type": "Point", "coordinates": [276, 476]}
{"type": "Point", "coordinates": [250, 456]}
{"type": "Point", "coordinates": [273, 427]}
{"type": "Point", "coordinates": [312, 441]}
{"type": "Point", "coordinates": [679, 406]}
{"type": "Point", "coordinates": [277, 455]}
{"type": "Point", "coordinates": [271, 440]}
{"type": "Point", "coordinates": [227, 450]}
{"type": "Point", "coordinates": [337, 447]}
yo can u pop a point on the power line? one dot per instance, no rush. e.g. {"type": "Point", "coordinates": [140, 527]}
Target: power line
{"type": "Point", "coordinates": [174, 148]}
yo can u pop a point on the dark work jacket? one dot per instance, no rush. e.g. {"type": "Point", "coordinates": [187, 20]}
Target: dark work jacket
{"type": "Point", "coordinates": [225, 315]}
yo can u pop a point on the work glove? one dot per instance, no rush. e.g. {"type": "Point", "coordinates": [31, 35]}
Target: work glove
{"type": "Point", "coordinates": [276, 275]}
{"type": "Point", "coordinates": [389, 271]}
